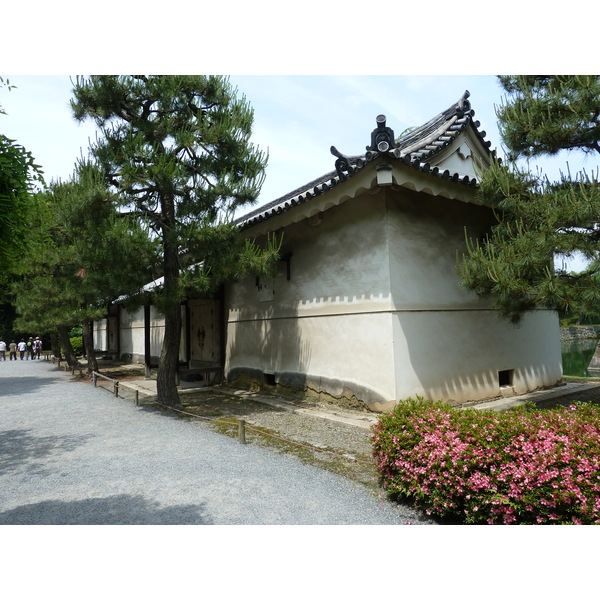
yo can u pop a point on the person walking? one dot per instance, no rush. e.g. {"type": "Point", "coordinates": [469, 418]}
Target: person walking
{"type": "Point", "coordinates": [2, 349]}
{"type": "Point", "coordinates": [37, 344]}
{"type": "Point", "coordinates": [12, 350]}
{"type": "Point", "coordinates": [22, 348]}
{"type": "Point", "coordinates": [30, 349]}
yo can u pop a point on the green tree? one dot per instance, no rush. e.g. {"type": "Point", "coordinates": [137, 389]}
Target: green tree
{"type": "Point", "coordinates": [18, 173]}
{"type": "Point", "coordinates": [539, 220]}
{"type": "Point", "coordinates": [39, 292]}
{"type": "Point", "coordinates": [176, 151]}
{"type": "Point", "coordinates": [71, 269]}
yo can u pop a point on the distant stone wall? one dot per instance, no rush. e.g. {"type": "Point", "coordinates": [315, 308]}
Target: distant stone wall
{"type": "Point", "coordinates": [578, 333]}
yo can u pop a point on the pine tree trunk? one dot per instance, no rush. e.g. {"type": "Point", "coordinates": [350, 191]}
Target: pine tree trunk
{"type": "Point", "coordinates": [88, 342]}
{"type": "Point", "coordinates": [54, 345]}
{"type": "Point", "coordinates": [166, 380]}
{"type": "Point", "coordinates": [65, 342]}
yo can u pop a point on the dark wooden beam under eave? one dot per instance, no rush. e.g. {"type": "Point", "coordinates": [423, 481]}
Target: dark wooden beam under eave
{"type": "Point", "coordinates": [147, 357]}
{"type": "Point", "coordinates": [188, 333]}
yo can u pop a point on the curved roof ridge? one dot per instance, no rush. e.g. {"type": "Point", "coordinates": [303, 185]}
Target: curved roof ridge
{"type": "Point", "coordinates": [430, 139]}
{"type": "Point", "coordinates": [437, 126]}
{"type": "Point", "coordinates": [415, 148]}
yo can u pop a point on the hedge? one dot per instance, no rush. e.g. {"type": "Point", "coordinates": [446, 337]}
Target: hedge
{"type": "Point", "coordinates": [521, 466]}
{"type": "Point", "coordinates": [77, 345]}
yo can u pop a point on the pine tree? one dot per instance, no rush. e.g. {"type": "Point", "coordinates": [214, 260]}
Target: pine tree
{"type": "Point", "coordinates": [70, 268]}
{"type": "Point", "coordinates": [18, 174]}
{"type": "Point", "coordinates": [539, 220]}
{"type": "Point", "coordinates": [176, 151]}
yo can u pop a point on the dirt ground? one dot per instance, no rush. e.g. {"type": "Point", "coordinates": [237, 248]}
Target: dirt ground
{"type": "Point", "coordinates": [338, 447]}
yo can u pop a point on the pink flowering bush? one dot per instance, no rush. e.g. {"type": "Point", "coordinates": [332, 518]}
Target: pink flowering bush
{"type": "Point", "coordinates": [521, 466]}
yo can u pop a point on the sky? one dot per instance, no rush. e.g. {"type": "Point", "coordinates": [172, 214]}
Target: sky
{"type": "Point", "coordinates": [297, 118]}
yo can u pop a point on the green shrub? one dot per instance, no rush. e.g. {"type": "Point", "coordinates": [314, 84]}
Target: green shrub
{"type": "Point", "coordinates": [524, 466]}
{"type": "Point", "coordinates": [75, 331]}
{"type": "Point", "coordinates": [77, 344]}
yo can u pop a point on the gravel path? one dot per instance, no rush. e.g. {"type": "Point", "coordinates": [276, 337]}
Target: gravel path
{"type": "Point", "coordinates": [73, 454]}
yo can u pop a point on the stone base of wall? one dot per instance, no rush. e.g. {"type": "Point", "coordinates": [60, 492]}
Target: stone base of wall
{"type": "Point", "coordinates": [579, 333]}
{"type": "Point", "coordinates": [304, 387]}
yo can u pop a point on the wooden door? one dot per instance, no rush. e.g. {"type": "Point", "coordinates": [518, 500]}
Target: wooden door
{"type": "Point", "coordinates": [204, 332]}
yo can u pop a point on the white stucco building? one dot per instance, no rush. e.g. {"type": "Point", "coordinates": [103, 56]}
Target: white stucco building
{"type": "Point", "coordinates": [367, 307]}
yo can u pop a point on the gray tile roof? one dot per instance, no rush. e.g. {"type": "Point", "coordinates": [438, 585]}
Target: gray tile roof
{"type": "Point", "coordinates": [414, 148]}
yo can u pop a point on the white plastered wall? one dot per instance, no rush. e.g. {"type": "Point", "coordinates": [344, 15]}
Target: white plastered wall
{"type": "Point", "coordinates": [465, 156]}
{"type": "Point", "coordinates": [330, 323]}
{"type": "Point", "coordinates": [448, 343]}
{"type": "Point", "coordinates": [101, 335]}
{"type": "Point", "coordinates": [374, 304]}
{"type": "Point", "coordinates": [132, 333]}
{"type": "Point", "coordinates": [458, 356]}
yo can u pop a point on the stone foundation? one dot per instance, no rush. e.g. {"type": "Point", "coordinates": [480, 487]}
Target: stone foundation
{"type": "Point", "coordinates": [578, 333]}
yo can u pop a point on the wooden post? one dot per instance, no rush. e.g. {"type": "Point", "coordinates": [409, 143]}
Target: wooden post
{"type": "Point", "coordinates": [116, 389]}
{"type": "Point", "coordinates": [137, 397]}
{"type": "Point", "coordinates": [147, 346]}
{"type": "Point", "coordinates": [242, 431]}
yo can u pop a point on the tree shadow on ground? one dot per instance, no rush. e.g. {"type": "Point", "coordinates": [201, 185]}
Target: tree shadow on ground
{"type": "Point", "coordinates": [25, 385]}
{"type": "Point", "coordinates": [18, 447]}
{"type": "Point", "coordinates": [122, 509]}
{"type": "Point", "coordinates": [226, 405]}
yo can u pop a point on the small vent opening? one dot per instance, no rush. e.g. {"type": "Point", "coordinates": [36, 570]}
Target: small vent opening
{"type": "Point", "coordinates": [269, 378]}
{"type": "Point", "coordinates": [505, 378]}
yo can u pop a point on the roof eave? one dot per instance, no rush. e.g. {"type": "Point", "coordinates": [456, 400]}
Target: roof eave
{"type": "Point", "coordinates": [436, 136]}
{"type": "Point", "coordinates": [412, 175]}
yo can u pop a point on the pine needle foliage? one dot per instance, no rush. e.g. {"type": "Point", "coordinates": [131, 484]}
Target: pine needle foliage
{"type": "Point", "coordinates": [539, 220]}
{"type": "Point", "coordinates": [176, 151]}
{"type": "Point", "coordinates": [70, 270]}
{"type": "Point", "coordinates": [18, 175]}
{"type": "Point", "coordinates": [544, 114]}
